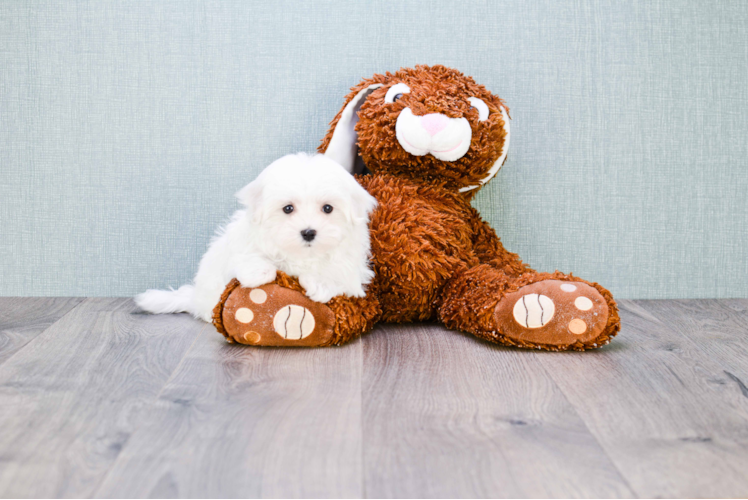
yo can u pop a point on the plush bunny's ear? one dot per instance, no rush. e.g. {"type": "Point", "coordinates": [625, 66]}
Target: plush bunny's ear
{"type": "Point", "coordinates": [502, 157]}
{"type": "Point", "coordinates": [342, 146]}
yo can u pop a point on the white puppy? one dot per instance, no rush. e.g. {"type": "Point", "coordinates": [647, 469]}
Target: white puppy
{"type": "Point", "coordinates": [306, 216]}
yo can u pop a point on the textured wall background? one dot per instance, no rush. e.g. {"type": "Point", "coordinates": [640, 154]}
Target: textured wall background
{"type": "Point", "coordinates": [126, 127]}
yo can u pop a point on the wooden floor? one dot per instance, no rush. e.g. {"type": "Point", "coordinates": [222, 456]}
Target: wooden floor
{"type": "Point", "coordinates": [98, 400]}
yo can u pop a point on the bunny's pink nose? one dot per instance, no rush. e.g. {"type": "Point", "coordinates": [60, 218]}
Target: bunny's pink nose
{"type": "Point", "coordinates": [434, 123]}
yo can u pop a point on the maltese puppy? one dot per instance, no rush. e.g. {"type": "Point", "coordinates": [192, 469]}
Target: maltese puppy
{"type": "Point", "coordinates": [306, 216]}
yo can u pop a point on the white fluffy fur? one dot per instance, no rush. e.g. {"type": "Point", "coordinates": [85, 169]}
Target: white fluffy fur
{"type": "Point", "coordinates": [262, 239]}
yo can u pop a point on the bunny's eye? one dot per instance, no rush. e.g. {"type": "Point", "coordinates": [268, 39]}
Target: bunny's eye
{"type": "Point", "coordinates": [481, 107]}
{"type": "Point", "coordinates": [396, 92]}
{"type": "Point", "coordinates": [288, 209]}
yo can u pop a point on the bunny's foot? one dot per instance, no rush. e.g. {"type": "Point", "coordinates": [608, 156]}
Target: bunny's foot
{"type": "Point", "coordinates": [554, 314]}
{"type": "Point", "coordinates": [279, 314]}
{"type": "Point", "coordinates": [550, 311]}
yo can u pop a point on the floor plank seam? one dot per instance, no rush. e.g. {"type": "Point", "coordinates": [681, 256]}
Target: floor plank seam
{"type": "Point", "coordinates": [624, 479]}
{"type": "Point", "coordinates": [700, 348]}
{"type": "Point", "coordinates": [741, 385]}
{"type": "Point", "coordinates": [362, 339]}
{"type": "Point", "coordinates": [31, 341]}
{"type": "Point", "coordinates": [181, 361]}
{"type": "Point", "coordinates": [145, 409]}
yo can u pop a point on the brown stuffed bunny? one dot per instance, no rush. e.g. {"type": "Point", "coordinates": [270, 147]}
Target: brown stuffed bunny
{"type": "Point", "coordinates": [430, 138]}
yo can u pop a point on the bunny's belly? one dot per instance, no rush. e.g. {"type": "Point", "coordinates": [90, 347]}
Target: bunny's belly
{"type": "Point", "coordinates": [420, 239]}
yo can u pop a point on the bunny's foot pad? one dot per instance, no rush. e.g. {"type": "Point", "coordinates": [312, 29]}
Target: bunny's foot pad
{"type": "Point", "coordinates": [272, 315]}
{"type": "Point", "coordinates": [555, 315]}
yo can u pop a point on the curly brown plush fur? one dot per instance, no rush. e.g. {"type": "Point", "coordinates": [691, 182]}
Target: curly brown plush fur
{"type": "Point", "coordinates": [433, 255]}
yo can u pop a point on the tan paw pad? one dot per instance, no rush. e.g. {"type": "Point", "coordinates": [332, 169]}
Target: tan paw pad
{"type": "Point", "coordinates": [244, 315]}
{"type": "Point", "coordinates": [583, 303]}
{"type": "Point", "coordinates": [252, 337]}
{"type": "Point", "coordinates": [258, 296]}
{"type": "Point", "coordinates": [533, 310]}
{"type": "Point", "coordinates": [294, 322]}
{"type": "Point", "coordinates": [577, 326]}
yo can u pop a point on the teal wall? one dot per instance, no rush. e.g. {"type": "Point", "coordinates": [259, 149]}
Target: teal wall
{"type": "Point", "coordinates": [126, 127]}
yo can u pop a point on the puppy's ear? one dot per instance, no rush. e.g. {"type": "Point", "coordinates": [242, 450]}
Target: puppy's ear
{"type": "Point", "coordinates": [362, 204]}
{"type": "Point", "coordinates": [341, 142]}
{"type": "Point", "coordinates": [251, 197]}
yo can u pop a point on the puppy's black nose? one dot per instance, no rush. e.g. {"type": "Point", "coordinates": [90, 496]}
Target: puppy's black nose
{"type": "Point", "coordinates": [308, 234]}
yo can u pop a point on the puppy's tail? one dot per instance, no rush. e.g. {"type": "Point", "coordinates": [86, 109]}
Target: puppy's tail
{"type": "Point", "coordinates": [167, 301]}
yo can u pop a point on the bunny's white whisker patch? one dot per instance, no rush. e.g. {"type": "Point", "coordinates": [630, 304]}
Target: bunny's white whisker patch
{"type": "Point", "coordinates": [447, 139]}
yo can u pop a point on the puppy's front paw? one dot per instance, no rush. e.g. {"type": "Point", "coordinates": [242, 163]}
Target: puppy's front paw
{"type": "Point", "coordinates": [356, 290]}
{"type": "Point", "coordinates": [316, 289]}
{"type": "Point", "coordinates": [322, 295]}
{"type": "Point", "coordinates": [253, 277]}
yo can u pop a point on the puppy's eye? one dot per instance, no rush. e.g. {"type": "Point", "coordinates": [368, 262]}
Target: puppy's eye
{"type": "Point", "coordinates": [396, 92]}
{"type": "Point", "coordinates": [327, 209]}
{"type": "Point", "coordinates": [288, 209]}
{"type": "Point", "coordinates": [481, 107]}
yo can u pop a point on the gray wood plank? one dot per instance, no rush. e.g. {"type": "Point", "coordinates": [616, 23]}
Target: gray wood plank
{"type": "Point", "coordinates": [717, 327]}
{"type": "Point", "coordinates": [660, 408]}
{"type": "Point", "coordinates": [240, 421]}
{"type": "Point", "coordinates": [23, 318]}
{"type": "Point", "coordinates": [447, 415]}
{"type": "Point", "coordinates": [70, 400]}
{"type": "Point", "coordinates": [105, 402]}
